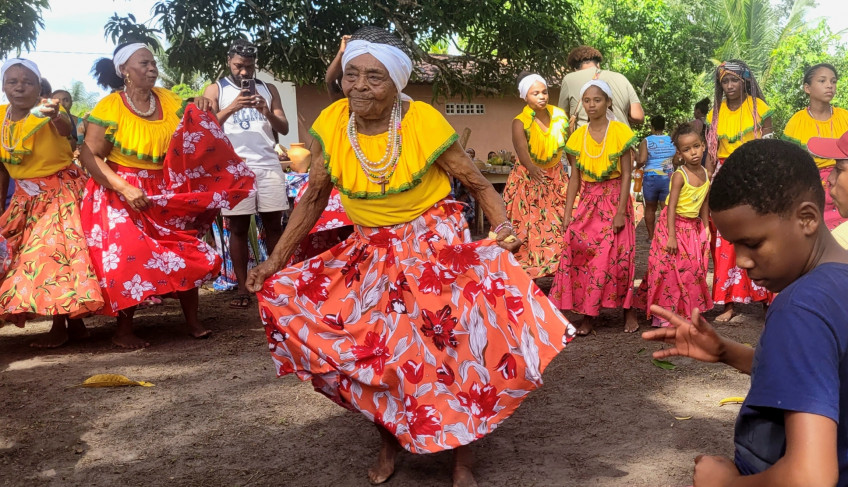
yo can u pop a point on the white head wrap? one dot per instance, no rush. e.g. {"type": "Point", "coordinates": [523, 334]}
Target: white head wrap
{"type": "Point", "coordinates": [396, 61]}
{"type": "Point", "coordinates": [527, 82]}
{"type": "Point", "coordinates": [23, 62]}
{"type": "Point", "coordinates": [605, 87]}
{"type": "Point", "coordinates": [124, 54]}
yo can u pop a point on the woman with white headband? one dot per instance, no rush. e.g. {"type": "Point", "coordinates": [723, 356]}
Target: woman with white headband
{"type": "Point", "coordinates": [434, 338]}
{"type": "Point", "coordinates": [153, 191]}
{"type": "Point", "coordinates": [48, 271]}
{"type": "Point", "coordinates": [597, 264]}
{"type": "Point", "coordinates": [536, 189]}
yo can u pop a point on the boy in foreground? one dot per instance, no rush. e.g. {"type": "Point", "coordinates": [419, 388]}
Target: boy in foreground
{"type": "Point", "coordinates": [791, 431]}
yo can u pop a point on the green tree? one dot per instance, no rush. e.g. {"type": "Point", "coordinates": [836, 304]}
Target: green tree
{"type": "Point", "coordinates": [84, 100]}
{"type": "Point", "coordinates": [20, 21]}
{"type": "Point", "coordinates": [299, 38]}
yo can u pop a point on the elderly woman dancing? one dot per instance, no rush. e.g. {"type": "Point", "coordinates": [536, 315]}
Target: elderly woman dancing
{"type": "Point", "coordinates": [48, 271]}
{"type": "Point", "coordinates": [432, 337]}
{"type": "Point", "coordinates": [536, 190]}
{"type": "Point", "coordinates": [152, 191]}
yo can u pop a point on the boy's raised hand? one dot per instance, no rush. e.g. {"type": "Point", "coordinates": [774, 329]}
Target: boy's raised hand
{"type": "Point", "coordinates": [694, 337]}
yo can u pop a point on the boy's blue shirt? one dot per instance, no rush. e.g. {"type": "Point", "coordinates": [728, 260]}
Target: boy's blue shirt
{"type": "Point", "coordinates": [801, 364]}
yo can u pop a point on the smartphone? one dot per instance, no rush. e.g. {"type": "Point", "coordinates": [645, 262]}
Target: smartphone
{"type": "Point", "coordinates": [249, 85]}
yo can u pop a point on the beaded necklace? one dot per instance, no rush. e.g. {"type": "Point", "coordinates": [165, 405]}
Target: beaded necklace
{"type": "Point", "coordinates": [603, 147]}
{"type": "Point", "coordinates": [379, 172]}
{"type": "Point", "coordinates": [138, 112]}
{"type": "Point", "coordinates": [816, 120]}
{"type": "Point", "coordinates": [6, 133]}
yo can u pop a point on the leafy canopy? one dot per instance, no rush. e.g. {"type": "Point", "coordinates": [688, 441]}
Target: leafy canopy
{"type": "Point", "coordinates": [20, 21]}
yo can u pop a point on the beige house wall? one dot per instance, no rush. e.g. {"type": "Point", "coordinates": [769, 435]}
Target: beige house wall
{"type": "Point", "coordinates": [488, 132]}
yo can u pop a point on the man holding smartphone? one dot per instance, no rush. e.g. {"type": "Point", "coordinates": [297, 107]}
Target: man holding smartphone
{"type": "Point", "coordinates": [250, 111]}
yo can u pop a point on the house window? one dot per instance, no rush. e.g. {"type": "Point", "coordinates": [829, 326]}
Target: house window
{"type": "Point", "coordinates": [465, 109]}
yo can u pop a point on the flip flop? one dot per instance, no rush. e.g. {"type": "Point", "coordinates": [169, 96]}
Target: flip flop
{"type": "Point", "coordinates": [240, 301]}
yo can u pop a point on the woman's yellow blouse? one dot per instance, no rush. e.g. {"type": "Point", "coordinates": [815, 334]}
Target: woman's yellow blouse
{"type": "Point", "coordinates": [600, 162]}
{"type": "Point", "coordinates": [416, 184]}
{"type": "Point", "coordinates": [137, 142]}
{"type": "Point", "coordinates": [735, 127]}
{"type": "Point", "coordinates": [802, 127]}
{"type": "Point", "coordinates": [40, 152]}
{"type": "Point", "coordinates": [545, 147]}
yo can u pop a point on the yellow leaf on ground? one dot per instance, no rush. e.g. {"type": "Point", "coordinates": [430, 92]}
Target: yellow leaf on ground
{"type": "Point", "coordinates": [112, 380]}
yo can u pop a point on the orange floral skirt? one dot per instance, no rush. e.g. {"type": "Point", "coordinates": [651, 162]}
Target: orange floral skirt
{"type": "Point", "coordinates": [48, 268]}
{"type": "Point", "coordinates": [536, 211]}
{"type": "Point", "coordinates": [436, 338]}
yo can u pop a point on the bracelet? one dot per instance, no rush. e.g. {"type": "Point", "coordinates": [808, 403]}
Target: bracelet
{"type": "Point", "coordinates": [504, 224]}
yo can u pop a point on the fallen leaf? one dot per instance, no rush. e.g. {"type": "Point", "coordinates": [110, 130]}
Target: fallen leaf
{"type": "Point", "coordinates": [641, 351]}
{"type": "Point", "coordinates": [112, 380]}
{"type": "Point", "coordinates": [682, 418]}
{"type": "Point", "coordinates": [663, 364]}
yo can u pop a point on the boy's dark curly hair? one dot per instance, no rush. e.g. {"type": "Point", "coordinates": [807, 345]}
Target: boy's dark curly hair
{"type": "Point", "coordinates": [581, 54]}
{"type": "Point", "coordinates": [770, 176]}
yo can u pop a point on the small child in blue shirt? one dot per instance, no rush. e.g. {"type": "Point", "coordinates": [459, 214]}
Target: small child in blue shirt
{"type": "Point", "coordinates": [792, 428]}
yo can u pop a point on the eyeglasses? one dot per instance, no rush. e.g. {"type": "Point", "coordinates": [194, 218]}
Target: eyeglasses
{"type": "Point", "coordinates": [242, 50]}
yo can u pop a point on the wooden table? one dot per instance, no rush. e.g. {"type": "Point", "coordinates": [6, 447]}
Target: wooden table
{"type": "Point", "coordinates": [494, 178]}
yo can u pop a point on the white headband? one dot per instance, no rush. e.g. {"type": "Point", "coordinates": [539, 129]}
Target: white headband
{"type": "Point", "coordinates": [605, 88]}
{"type": "Point", "coordinates": [600, 84]}
{"type": "Point", "coordinates": [23, 62]}
{"type": "Point", "coordinates": [123, 55]}
{"type": "Point", "coordinates": [396, 61]}
{"type": "Point", "coordinates": [527, 82]}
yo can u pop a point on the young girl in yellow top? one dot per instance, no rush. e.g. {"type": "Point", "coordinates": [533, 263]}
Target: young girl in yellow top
{"type": "Point", "coordinates": [677, 264]}
{"type": "Point", "coordinates": [596, 268]}
{"type": "Point", "coordinates": [741, 117]}
{"type": "Point", "coordinates": [536, 189]}
{"type": "Point", "coordinates": [820, 119]}
{"type": "Point", "coordinates": [48, 271]}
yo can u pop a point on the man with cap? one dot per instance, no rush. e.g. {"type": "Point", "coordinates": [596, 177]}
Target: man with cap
{"type": "Point", "coordinates": [250, 112]}
{"type": "Point", "coordinates": [837, 181]}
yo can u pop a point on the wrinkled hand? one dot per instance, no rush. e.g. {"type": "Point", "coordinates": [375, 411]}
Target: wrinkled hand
{"type": "Point", "coordinates": [689, 338]}
{"type": "Point", "coordinates": [135, 197]}
{"type": "Point", "coordinates": [671, 245]}
{"type": "Point", "coordinates": [711, 471]}
{"type": "Point", "coordinates": [50, 108]}
{"type": "Point", "coordinates": [203, 103]}
{"type": "Point", "coordinates": [512, 245]}
{"type": "Point", "coordinates": [618, 222]}
{"type": "Point", "coordinates": [256, 277]}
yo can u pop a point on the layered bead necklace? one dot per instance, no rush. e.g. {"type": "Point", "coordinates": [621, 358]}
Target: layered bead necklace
{"type": "Point", "coordinates": [379, 172]}
{"type": "Point", "coordinates": [6, 135]}
{"type": "Point", "coordinates": [138, 112]}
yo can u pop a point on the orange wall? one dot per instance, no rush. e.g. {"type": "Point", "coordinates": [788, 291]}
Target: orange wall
{"type": "Point", "coordinates": [488, 132]}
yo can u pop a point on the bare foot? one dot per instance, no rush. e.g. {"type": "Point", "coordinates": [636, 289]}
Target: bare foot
{"type": "Point", "coordinates": [55, 338]}
{"type": "Point", "coordinates": [727, 314]}
{"type": "Point", "coordinates": [586, 326]}
{"type": "Point", "coordinates": [77, 329]}
{"type": "Point", "coordinates": [631, 323]}
{"type": "Point", "coordinates": [196, 330]}
{"type": "Point", "coordinates": [384, 467]}
{"type": "Point", "coordinates": [462, 462]}
{"type": "Point", "coordinates": [129, 340]}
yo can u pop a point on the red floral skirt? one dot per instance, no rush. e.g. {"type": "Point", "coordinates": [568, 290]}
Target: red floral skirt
{"type": "Point", "coordinates": [731, 283]}
{"type": "Point", "coordinates": [434, 337]}
{"type": "Point", "coordinates": [536, 211]}
{"type": "Point", "coordinates": [157, 251]}
{"type": "Point", "coordinates": [677, 282]}
{"type": "Point", "coordinates": [597, 265]}
{"type": "Point", "coordinates": [48, 268]}
{"type": "Point", "coordinates": [831, 214]}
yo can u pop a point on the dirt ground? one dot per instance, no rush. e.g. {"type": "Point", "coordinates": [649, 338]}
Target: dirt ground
{"type": "Point", "coordinates": [218, 416]}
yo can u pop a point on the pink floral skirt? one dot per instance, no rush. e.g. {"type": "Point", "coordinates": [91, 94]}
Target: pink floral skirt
{"type": "Point", "coordinates": [436, 338]}
{"type": "Point", "coordinates": [157, 251]}
{"type": "Point", "coordinates": [677, 282]}
{"type": "Point", "coordinates": [597, 265]}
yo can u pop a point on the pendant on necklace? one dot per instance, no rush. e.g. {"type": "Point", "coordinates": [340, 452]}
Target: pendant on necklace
{"type": "Point", "coordinates": [383, 184]}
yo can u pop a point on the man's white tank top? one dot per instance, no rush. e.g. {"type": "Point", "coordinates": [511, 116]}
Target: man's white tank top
{"type": "Point", "coordinates": [248, 130]}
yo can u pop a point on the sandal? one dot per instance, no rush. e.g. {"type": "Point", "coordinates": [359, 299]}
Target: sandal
{"type": "Point", "coordinates": [241, 301]}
